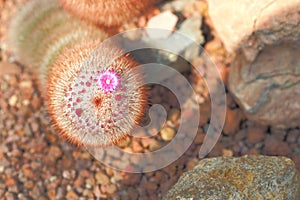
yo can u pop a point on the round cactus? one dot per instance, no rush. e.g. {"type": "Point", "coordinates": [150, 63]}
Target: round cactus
{"type": "Point", "coordinates": [107, 12]}
{"type": "Point", "coordinates": [90, 93]}
{"type": "Point", "coordinates": [94, 102]}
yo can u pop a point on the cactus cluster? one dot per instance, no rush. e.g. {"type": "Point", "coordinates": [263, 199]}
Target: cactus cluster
{"type": "Point", "coordinates": [91, 98]}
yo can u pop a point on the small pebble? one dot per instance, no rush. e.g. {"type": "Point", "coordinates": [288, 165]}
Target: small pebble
{"type": "Point", "coordinates": [167, 134]}
{"type": "Point", "coordinates": [35, 102]}
{"type": "Point", "coordinates": [66, 174]}
{"type": "Point", "coordinates": [26, 84]}
{"type": "Point", "coordinates": [275, 146]}
{"type": "Point", "coordinates": [110, 189]}
{"type": "Point", "coordinates": [136, 146]}
{"type": "Point", "coordinates": [155, 145]}
{"type": "Point", "coordinates": [227, 152]}
{"type": "Point", "coordinates": [166, 20]}
{"type": "Point", "coordinates": [97, 192]}
{"type": "Point", "coordinates": [174, 115]}
{"type": "Point", "coordinates": [54, 153]}
{"type": "Point", "coordinates": [232, 121]}
{"type": "Point", "coordinates": [124, 142]}
{"type": "Point", "coordinates": [13, 100]}
{"type": "Point", "coordinates": [34, 126]}
{"type": "Point", "coordinates": [256, 134]}
{"type": "Point", "coordinates": [101, 178]}
{"type": "Point", "coordinates": [71, 195]}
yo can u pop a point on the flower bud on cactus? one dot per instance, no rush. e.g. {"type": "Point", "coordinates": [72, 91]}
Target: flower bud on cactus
{"type": "Point", "coordinates": [91, 95]}
{"type": "Point", "coordinates": [107, 12]}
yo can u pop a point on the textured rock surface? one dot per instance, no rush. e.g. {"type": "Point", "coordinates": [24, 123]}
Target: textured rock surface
{"type": "Point", "coordinates": [248, 177]}
{"type": "Point", "coordinates": [265, 73]}
{"type": "Point", "coordinates": [268, 89]}
{"type": "Point", "coordinates": [235, 19]}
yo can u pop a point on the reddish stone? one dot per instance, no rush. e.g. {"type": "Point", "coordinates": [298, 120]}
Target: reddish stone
{"type": "Point", "coordinates": [256, 134]}
{"type": "Point", "coordinates": [78, 182]}
{"type": "Point", "coordinates": [71, 195]}
{"type": "Point", "coordinates": [252, 152]}
{"type": "Point", "coordinates": [276, 147]}
{"type": "Point", "coordinates": [102, 178]}
{"type": "Point", "coordinates": [232, 121]}
{"type": "Point", "coordinates": [199, 138]}
{"type": "Point", "coordinates": [136, 146]}
{"type": "Point", "coordinates": [216, 151]}
{"type": "Point", "coordinates": [10, 182]}
{"type": "Point", "coordinates": [151, 186]}
{"type": "Point", "coordinates": [264, 72]}
{"type": "Point", "coordinates": [131, 179]}
{"type": "Point", "coordinates": [36, 102]}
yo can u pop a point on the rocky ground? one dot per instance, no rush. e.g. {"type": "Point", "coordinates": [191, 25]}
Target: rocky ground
{"type": "Point", "coordinates": [35, 163]}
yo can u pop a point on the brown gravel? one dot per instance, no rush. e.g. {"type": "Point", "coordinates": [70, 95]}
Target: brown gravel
{"type": "Point", "coordinates": [36, 164]}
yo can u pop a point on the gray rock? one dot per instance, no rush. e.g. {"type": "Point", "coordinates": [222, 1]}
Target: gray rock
{"type": "Point", "coordinates": [247, 177]}
{"type": "Point", "coordinates": [264, 37]}
{"type": "Point", "coordinates": [235, 20]}
{"type": "Point", "coordinates": [165, 20]}
{"type": "Point", "coordinates": [268, 89]}
{"type": "Point", "coordinates": [190, 28]}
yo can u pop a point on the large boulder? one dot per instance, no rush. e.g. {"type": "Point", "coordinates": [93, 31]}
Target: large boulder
{"type": "Point", "coordinates": [264, 37]}
{"type": "Point", "coordinates": [247, 177]}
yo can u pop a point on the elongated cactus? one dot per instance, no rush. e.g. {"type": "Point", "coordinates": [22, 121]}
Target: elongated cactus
{"type": "Point", "coordinates": [91, 98]}
{"type": "Point", "coordinates": [107, 12]}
